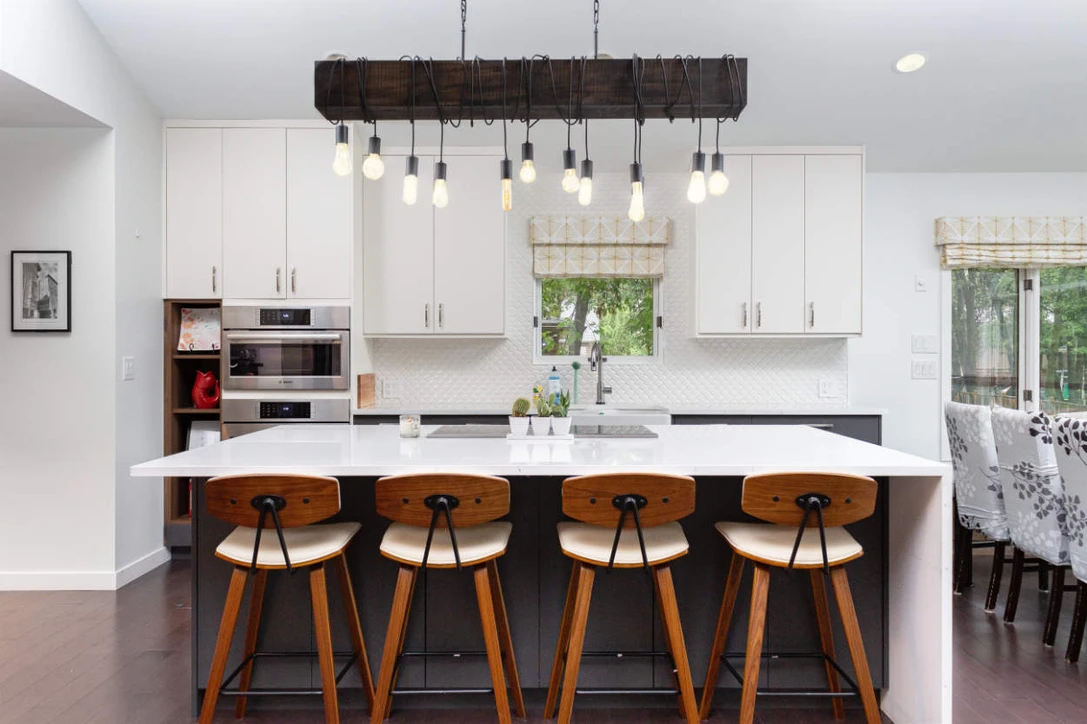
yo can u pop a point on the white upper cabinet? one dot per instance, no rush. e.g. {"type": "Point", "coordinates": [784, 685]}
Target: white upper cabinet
{"type": "Point", "coordinates": [431, 271]}
{"type": "Point", "coordinates": [254, 213]}
{"type": "Point", "coordinates": [833, 233]}
{"type": "Point", "coordinates": [780, 253]}
{"type": "Point", "coordinates": [319, 219]}
{"type": "Point", "coordinates": [194, 213]}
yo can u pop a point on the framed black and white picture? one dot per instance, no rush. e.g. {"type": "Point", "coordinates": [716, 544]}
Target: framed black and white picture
{"type": "Point", "coordinates": [41, 291]}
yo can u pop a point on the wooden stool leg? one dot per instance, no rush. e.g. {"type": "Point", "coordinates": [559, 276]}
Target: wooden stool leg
{"type": "Point", "coordinates": [586, 575]}
{"type": "Point", "coordinates": [354, 625]}
{"type": "Point", "coordinates": [558, 665]}
{"type": "Point", "coordinates": [826, 636]}
{"type": "Point", "coordinates": [756, 628]}
{"type": "Point", "coordinates": [505, 638]}
{"type": "Point", "coordinates": [668, 647]}
{"type": "Point", "coordinates": [662, 578]}
{"type": "Point", "coordinates": [720, 636]}
{"type": "Point", "coordinates": [1013, 587]}
{"type": "Point", "coordinates": [1079, 618]}
{"type": "Point", "coordinates": [222, 643]}
{"type": "Point", "coordinates": [1056, 598]}
{"type": "Point", "coordinates": [995, 576]}
{"type": "Point", "coordinates": [256, 602]}
{"type": "Point", "coordinates": [322, 631]}
{"type": "Point", "coordinates": [394, 643]}
{"type": "Point", "coordinates": [856, 645]}
{"type": "Point", "coordinates": [490, 638]}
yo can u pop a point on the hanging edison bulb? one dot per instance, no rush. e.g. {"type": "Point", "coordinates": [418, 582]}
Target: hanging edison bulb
{"type": "Point", "coordinates": [585, 186]}
{"type": "Point", "coordinates": [636, 212]}
{"type": "Point", "coordinates": [696, 190]}
{"type": "Point", "coordinates": [411, 181]}
{"type": "Point", "coordinates": [507, 184]}
{"type": "Point", "coordinates": [341, 165]}
{"type": "Point", "coordinates": [373, 167]}
{"type": "Point", "coordinates": [718, 183]}
{"type": "Point", "coordinates": [528, 165]}
{"type": "Point", "coordinates": [569, 171]}
{"type": "Point", "coordinates": [440, 198]}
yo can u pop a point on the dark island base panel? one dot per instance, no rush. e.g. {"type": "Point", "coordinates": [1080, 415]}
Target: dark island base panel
{"type": "Point", "coordinates": [534, 575]}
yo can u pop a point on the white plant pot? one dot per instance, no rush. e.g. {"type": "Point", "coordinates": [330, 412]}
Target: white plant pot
{"type": "Point", "coordinates": [540, 425]}
{"type": "Point", "coordinates": [519, 426]}
{"type": "Point", "coordinates": [561, 425]}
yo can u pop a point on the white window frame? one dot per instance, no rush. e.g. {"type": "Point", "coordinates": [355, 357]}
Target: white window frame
{"type": "Point", "coordinates": [537, 334]}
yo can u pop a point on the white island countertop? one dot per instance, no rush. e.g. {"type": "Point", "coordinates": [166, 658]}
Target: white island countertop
{"type": "Point", "coordinates": [371, 450]}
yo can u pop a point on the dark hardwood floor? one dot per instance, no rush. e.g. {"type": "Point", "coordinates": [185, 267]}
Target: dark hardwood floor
{"type": "Point", "coordinates": [120, 658]}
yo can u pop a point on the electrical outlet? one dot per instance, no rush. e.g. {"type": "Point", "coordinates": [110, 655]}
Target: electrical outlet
{"type": "Point", "coordinates": [827, 387]}
{"type": "Point", "coordinates": [923, 369]}
{"type": "Point", "coordinates": [924, 344]}
{"type": "Point", "coordinates": [128, 368]}
{"type": "Point", "coordinates": [392, 389]}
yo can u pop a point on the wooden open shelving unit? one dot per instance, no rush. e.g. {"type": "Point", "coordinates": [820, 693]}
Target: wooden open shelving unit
{"type": "Point", "coordinates": [178, 377]}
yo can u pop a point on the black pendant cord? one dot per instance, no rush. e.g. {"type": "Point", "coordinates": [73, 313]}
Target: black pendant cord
{"type": "Point", "coordinates": [700, 104]}
{"type": "Point", "coordinates": [737, 95]}
{"type": "Point", "coordinates": [596, 30]}
{"type": "Point", "coordinates": [362, 68]}
{"type": "Point", "coordinates": [428, 68]}
{"type": "Point", "coordinates": [476, 83]}
{"type": "Point", "coordinates": [505, 141]}
{"type": "Point", "coordinates": [638, 74]}
{"type": "Point", "coordinates": [337, 65]}
{"type": "Point", "coordinates": [580, 102]}
{"type": "Point", "coordinates": [664, 78]}
{"type": "Point", "coordinates": [411, 106]}
{"type": "Point", "coordinates": [463, 27]}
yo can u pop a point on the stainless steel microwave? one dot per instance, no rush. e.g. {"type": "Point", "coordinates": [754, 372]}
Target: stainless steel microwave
{"type": "Point", "coordinates": [286, 348]}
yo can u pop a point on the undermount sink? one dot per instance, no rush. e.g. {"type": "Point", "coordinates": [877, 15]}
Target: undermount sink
{"type": "Point", "coordinates": [619, 415]}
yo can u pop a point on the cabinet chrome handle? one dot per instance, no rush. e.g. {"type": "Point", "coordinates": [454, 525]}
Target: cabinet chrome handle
{"type": "Point", "coordinates": [277, 280]}
{"type": "Point", "coordinates": [294, 279]}
{"type": "Point", "coordinates": [744, 325]}
{"type": "Point", "coordinates": [441, 315]}
{"type": "Point", "coordinates": [214, 272]}
{"type": "Point", "coordinates": [426, 316]}
{"type": "Point", "coordinates": [758, 314]}
{"type": "Point", "coordinates": [811, 315]}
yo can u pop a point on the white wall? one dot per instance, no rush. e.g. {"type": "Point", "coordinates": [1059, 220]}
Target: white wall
{"type": "Point", "coordinates": [56, 441]}
{"type": "Point", "coordinates": [901, 210]}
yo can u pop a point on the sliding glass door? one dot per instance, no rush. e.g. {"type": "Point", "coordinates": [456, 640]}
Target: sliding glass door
{"type": "Point", "coordinates": [985, 345]}
{"type": "Point", "coordinates": [1062, 339]}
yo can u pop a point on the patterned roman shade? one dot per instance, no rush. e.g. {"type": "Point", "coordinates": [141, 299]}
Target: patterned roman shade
{"type": "Point", "coordinates": [1011, 241]}
{"type": "Point", "coordinates": [598, 247]}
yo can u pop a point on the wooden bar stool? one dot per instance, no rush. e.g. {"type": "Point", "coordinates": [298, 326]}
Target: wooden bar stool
{"type": "Point", "coordinates": [626, 520]}
{"type": "Point", "coordinates": [289, 505]}
{"type": "Point", "coordinates": [793, 502]}
{"type": "Point", "coordinates": [448, 521]}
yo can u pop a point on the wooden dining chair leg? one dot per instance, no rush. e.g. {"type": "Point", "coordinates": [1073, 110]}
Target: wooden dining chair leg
{"type": "Point", "coordinates": [666, 592]}
{"type": "Point", "coordinates": [354, 626]}
{"type": "Point", "coordinates": [490, 639]}
{"type": "Point", "coordinates": [558, 665]}
{"type": "Point", "coordinates": [848, 613]}
{"type": "Point", "coordinates": [1043, 576]}
{"type": "Point", "coordinates": [505, 638]}
{"type": "Point", "coordinates": [756, 629]}
{"type": "Point", "coordinates": [1079, 618]}
{"type": "Point", "coordinates": [252, 628]}
{"type": "Point", "coordinates": [720, 636]}
{"type": "Point", "coordinates": [826, 637]}
{"type": "Point", "coordinates": [394, 643]}
{"type": "Point", "coordinates": [961, 551]}
{"type": "Point", "coordinates": [322, 632]}
{"type": "Point", "coordinates": [222, 643]}
{"type": "Point", "coordinates": [1014, 585]}
{"type": "Point", "coordinates": [586, 575]}
{"type": "Point", "coordinates": [995, 576]}
{"type": "Point", "coordinates": [1056, 598]}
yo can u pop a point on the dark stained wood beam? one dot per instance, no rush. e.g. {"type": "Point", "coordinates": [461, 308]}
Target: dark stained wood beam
{"type": "Point", "coordinates": [474, 89]}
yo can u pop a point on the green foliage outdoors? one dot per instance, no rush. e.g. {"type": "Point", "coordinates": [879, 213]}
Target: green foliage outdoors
{"type": "Point", "coordinates": [623, 308]}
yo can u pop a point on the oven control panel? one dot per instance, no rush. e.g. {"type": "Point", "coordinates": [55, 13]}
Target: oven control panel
{"type": "Point", "coordinates": [285, 317]}
{"type": "Point", "coordinates": [284, 410]}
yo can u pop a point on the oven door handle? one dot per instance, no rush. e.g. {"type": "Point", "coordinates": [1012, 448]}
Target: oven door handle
{"type": "Point", "coordinates": [284, 337]}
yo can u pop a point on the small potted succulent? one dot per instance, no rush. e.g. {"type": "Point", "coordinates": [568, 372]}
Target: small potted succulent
{"type": "Point", "coordinates": [560, 414]}
{"type": "Point", "coordinates": [541, 421]}
{"type": "Point", "coordinates": [519, 417]}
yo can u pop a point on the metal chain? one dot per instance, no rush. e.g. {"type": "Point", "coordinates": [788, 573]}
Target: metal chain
{"type": "Point", "coordinates": [463, 27]}
{"type": "Point", "coordinates": [596, 29]}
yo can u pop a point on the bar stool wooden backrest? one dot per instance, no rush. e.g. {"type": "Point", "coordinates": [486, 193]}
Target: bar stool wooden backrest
{"type": "Point", "coordinates": [791, 498]}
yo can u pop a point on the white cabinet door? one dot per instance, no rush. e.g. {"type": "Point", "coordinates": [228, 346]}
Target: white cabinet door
{"type": "Point", "coordinates": [254, 213]}
{"type": "Point", "coordinates": [470, 250]}
{"type": "Point", "coordinates": [398, 254]}
{"type": "Point", "coordinates": [194, 213]}
{"type": "Point", "coordinates": [833, 232]}
{"type": "Point", "coordinates": [319, 219]}
{"type": "Point", "coordinates": [777, 243]}
{"type": "Point", "coordinates": [723, 260]}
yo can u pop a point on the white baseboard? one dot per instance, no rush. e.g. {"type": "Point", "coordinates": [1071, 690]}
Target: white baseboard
{"type": "Point", "coordinates": [82, 580]}
{"type": "Point", "coordinates": [139, 567]}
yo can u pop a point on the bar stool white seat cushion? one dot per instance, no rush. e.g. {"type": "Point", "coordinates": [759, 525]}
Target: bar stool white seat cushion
{"type": "Point", "coordinates": [593, 543]}
{"type": "Point", "coordinates": [773, 544]}
{"type": "Point", "coordinates": [305, 544]}
{"type": "Point", "coordinates": [475, 543]}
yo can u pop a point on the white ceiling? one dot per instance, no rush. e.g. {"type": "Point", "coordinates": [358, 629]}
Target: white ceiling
{"type": "Point", "coordinates": [1005, 87]}
{"type": "Point", "coordinates": [24, 106]}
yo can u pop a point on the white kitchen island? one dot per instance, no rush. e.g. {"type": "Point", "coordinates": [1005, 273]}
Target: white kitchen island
{"type": "Point", "coordinates": [916, 530]}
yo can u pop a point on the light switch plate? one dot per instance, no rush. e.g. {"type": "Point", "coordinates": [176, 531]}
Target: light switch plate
{"type": "Point", "coordinates": [827, 388]}
{"type": "Point", "coordinates": [923, 369]}
{"type": "Point", "coordinates": [392, 389]}
{"type": "Point", "coordinates": [128, 368]}
{"type": "Point", "coordinates": [920, 284]}
{"type": "Point", "coordinates": [924, 344]}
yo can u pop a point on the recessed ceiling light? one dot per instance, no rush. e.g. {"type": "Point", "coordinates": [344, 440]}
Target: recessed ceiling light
{"type": "Point", "coordinates": [910, 63]}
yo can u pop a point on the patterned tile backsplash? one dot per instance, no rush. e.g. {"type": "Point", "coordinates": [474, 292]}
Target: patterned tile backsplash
{"type": "Point", "coordinates": [730, 373]}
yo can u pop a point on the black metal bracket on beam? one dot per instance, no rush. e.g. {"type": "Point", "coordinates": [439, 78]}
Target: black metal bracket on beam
{"type": "Point", "coordinates": [452, 89]}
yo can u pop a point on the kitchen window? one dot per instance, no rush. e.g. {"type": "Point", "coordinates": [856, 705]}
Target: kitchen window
{"type": "Point", "coordinates": [573, 314]}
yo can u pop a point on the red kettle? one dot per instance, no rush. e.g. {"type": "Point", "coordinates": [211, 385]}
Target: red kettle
{"type": "Point", "coordinates": [205, 391]}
